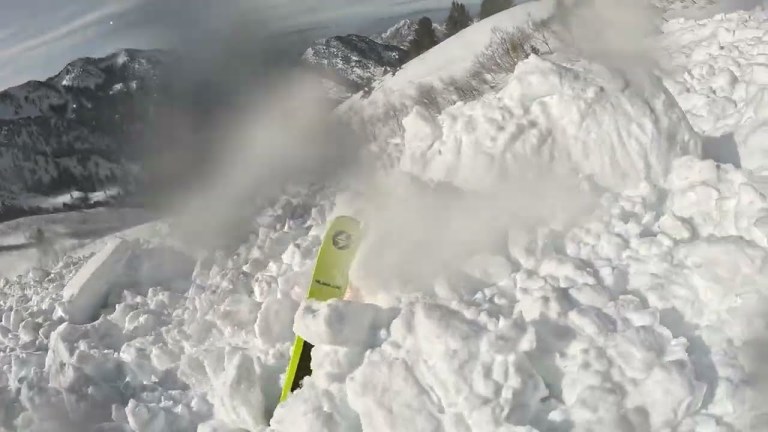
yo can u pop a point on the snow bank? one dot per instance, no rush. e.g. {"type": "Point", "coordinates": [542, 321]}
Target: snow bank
{"type": "Point", "coordinates": [556, 113]}
{"type": "Point", "coordinates": [88, 291]}
{"type": "Point", "coordinates": [341, 323]}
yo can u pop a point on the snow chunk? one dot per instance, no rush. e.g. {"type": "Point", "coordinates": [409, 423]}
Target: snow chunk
{"type": "Point", "coordinates": [237, 394]}
{"type": "Point", "coordinates": [275, 320]}
{"type": "Point", "coordinates": [343, 323]}
{"type": "Point", "coordinates": [392, 380]}
{"type": "Point", "coordinates": [751, 141]}
{"type": "Point", "coordinates": [88, 291]}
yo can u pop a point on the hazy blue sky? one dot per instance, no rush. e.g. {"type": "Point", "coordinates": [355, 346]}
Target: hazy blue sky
{"type": "Point", "coordinates": [38, 37]}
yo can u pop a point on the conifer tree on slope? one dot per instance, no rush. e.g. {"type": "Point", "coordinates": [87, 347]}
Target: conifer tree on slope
{"type": "Point", "coordinates": [458, 19]}
{"type": "Point", "coordinates": [492, 7]}
{"type": "Point", "coordinates": [424, 39]}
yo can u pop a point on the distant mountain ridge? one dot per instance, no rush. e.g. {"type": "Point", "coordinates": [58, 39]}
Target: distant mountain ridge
{"type": "Point", "coordinates": [401, 33]}
{"type": "Point", "coordinates": [83, 128]}
{"type": "Point", "coordinates": [76, 130]}
{"type": "Point", "coordinates": [353, 61]}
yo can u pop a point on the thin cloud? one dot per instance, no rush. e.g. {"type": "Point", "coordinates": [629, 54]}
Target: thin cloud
{"type": "Point", "coordinates": [7, 33]}
{"type": "Point", "coordinates": [67, 29]}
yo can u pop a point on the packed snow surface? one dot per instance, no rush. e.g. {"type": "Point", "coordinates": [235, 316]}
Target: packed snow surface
{"type": "Point", "coordinates": [645, 310]}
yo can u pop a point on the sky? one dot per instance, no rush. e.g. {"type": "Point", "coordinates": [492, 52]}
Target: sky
{"type": "Point", "coordinates": [39, 37]}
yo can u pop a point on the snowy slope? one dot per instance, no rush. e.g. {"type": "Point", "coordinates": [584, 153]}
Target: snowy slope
{"type": "Point", "coordinates": [487, 304]}
{"type": "Point", "coordinates": [557, 111]}
{"type": "Point", "coordinates": [455, 56]}
{"type": "Point", "coordinates": [434, 79]}
{"type": "Point", "coordinates": [30, 100]}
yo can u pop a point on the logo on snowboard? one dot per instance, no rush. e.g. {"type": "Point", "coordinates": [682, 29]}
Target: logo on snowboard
{"type": "Point", "coordinates": [342, 240]}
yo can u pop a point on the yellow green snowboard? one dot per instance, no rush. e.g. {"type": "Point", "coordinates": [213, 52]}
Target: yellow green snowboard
{"type": "Point", "coordinates": [329, 281]}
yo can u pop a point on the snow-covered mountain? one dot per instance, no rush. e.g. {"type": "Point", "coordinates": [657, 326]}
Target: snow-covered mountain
{"type": "Point", "coordinates": [354, 61]}
{"type": "Point", "coordinates": [77, 130]}
{"type": "Point", "coordinates": [401, 33]}
{"type": "Point", "coordinates": [548, 248]}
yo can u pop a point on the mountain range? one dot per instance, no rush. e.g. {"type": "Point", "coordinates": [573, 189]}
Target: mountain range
{"type": "Point", "coordinates": [83, 130]}
{"type": "Point", "coordinates": [77, 130]}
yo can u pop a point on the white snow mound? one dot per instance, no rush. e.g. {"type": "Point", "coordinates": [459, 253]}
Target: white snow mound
{"type": "Point", "coordinates": [559, 113]}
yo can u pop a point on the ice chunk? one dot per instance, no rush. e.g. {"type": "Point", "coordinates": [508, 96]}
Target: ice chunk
{"type": "Point", "coordinates": [274, 323]}
{"type": "Point", "coordinates": [392, 380]}
{"type": "Point", "coordinates": [88, 291]}
{"type": "Point", "coordinates": [237, 394]}
{"type": "Point", "coordinates": [343, 323]}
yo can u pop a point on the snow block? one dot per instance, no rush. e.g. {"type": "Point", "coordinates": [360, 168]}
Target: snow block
{"type": "Point", "coordinates": [342, 323]}
{"type": "Point", "coordinates": [88, 291]}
